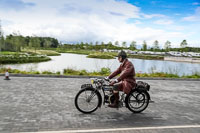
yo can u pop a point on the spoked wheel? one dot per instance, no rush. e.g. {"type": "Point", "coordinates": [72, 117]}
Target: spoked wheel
{"type": "Point", "coordinates": [137, 101]}
{"type": "Point", "coordinates": [87, 100]}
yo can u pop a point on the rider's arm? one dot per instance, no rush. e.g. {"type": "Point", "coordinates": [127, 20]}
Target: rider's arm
{"type": "Point", "coordinates": [115, 73]}
{"type": "Point", "coordinates": [129, 68]}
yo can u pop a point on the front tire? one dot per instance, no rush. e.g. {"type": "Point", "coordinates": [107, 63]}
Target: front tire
{"type": "Point", "coordinates": [136, 101]}
{"type": "Point", "coordinates": [87, 100]}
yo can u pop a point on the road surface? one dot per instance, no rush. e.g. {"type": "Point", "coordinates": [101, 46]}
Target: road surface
{"type": "Point", "coordinates": [38, 104]}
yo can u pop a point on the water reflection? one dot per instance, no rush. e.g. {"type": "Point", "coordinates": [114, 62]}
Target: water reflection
{"type": "Point", "coordinates": [58, 63]}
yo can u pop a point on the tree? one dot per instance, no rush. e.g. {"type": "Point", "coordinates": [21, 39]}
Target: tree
{"type": "Point", "coordinates": [167, 45]}
{"type": "Point", "coordinates": [117, 43]}
{"type": "Point", "coordinates": [132, 45]}
{"type": "Point", "coordinates": [34, 42]}
{"type": "Point", "coordinates": [183, 44]}
{"type": "Point", "coordinates": [110, 46]}
{"type": "Point", "coordinates": [47, 43]}
{"type": "Point", "coordinates": [96, 43]}
{"type": "Point", "coordinates": [1, 37]}
{"type": "Point", "coordinates": [144, 46]}
{"type": "Point", "coordinates": [102, 43]}
{"type": "Point", "coordinates": [91, 43]}
{"type": "Point", "coordinates": [124, 44]}
{"type": "Point", "coordinates": [54, 43]}
{"type": "Point", "coordinates": [9, 43]}
{"type": "Point", "coordinates": [18, 41]}
{"type": "Point", "coordinates": [156, 45]}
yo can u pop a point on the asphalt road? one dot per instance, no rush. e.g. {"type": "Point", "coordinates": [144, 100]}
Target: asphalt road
{"type": "Point", "coordinates": [36, 104]}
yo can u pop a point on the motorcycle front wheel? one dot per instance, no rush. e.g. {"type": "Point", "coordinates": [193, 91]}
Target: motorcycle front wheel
{"type": "Point", "coordinates": [87, 100]}
{"type": "Point", "coordinates": [137, 101]}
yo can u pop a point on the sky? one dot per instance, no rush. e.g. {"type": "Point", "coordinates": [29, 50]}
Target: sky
{"type": "Point", "coordinates": [72, 21]}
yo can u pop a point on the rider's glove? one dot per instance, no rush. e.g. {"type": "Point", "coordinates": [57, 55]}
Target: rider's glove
{"type": "Point", "coordinates": [113, 82]}
{"type": "Point", "coordinates": [107, 78]}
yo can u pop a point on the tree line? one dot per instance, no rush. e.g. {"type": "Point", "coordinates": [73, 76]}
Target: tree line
{"type": "Point", "coordinates": [16, 42]}
{"type": "Point", "coordinates": [133, 46]}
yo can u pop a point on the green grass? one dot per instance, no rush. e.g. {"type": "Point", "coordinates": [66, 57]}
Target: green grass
{"type": "Point", "coordinates": [90, 53]}
{"type": "Point", "coordinates": [42, 52]}
{"type": "Point", "coordinates": [7, 53]}
{"type": "Point", "coordinates": [148, 57]}
{"type": "Point", "coordinates": [27, 56]}
{"type": "Point", "coordinates": [84, 52]}
{"type": "Point", "coordinates": [158, 74]}
{"type": "Point", "coordinates": [22, 58]}
{"type": "Point", "coordinates": [102, 72]}
{"type": "Point", "coordinates": [101, 56]}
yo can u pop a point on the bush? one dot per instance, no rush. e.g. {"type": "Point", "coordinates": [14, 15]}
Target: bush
{"type": "Point", "coordinates": [105, 71]}
{"type": "Point", "coordinates": [70, 71]}
{"type": "Point", "coordinates": [58, 73]}
{"type": "Point", "coordinates": [83, 72]}
{"type": "Point", "coordinates": [47, 72]}
{"type": "Point", "coordinates": [22, 58]}
{"type": "Point", "coordinates": [101, 56]}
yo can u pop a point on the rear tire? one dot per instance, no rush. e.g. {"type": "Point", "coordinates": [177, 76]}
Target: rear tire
{"type": "Point", "coordinates": [136, 101]}
{"type": "Point", "coordinates": [87, 100]}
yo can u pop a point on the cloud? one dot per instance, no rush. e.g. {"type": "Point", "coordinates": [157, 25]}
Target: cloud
{"type": "Point", "coordinates": [195, 17]}
{"type": "Point", "coordinates": [149, 16]}
{"type": "Point", "coordinates": [195, 3]}
{"type": "Point", "coordinates": [14, 5]}
{"type": "Point", "coordinates": [88, 21]}
{"type": "Point", "coordinates": [164, 22]}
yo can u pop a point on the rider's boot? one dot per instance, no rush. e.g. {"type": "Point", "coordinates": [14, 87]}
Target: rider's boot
{"type": "Point", "coordinates": [116, 101]}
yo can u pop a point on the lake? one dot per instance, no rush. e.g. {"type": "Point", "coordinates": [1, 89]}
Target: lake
{"type": "Point", "coordinates": [75, 61]}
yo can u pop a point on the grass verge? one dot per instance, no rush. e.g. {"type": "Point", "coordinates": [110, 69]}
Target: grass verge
{"type": "Point", "coordinates": [102, 72]}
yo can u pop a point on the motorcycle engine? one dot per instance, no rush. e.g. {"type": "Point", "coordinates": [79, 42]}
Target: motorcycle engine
{"type": "Point", "coordinates": [110, 98]}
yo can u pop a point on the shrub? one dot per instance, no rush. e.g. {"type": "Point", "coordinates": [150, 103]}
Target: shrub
{"type": "Point", "coordinates": [47, 72]}
{"type": "Point", "coordinates": [105, 71]}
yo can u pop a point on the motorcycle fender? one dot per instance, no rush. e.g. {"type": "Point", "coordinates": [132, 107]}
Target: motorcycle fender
{"type": "Point", "coordinates": [145, 91]}
{"type": "Point", "coordinates": [148, 95]}
{"type": "Point", "coordinates": [84, 86]}
{"type": "Point", "coordinates": [100, 99]}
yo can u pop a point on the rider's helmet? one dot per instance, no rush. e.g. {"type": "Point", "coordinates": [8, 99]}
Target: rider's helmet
{"type": "Point", "coordinates": [122, 54]}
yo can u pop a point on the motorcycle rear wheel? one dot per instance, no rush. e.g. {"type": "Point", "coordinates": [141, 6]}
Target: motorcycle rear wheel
{"type": "Point", "coordinates": [136, 101]}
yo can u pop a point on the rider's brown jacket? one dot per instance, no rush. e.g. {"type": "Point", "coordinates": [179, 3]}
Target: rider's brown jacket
{"type": "Point", "coordinates": [127, 76]}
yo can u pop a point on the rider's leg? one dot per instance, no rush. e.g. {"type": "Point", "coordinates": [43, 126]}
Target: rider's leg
{"type": "Point", "coordinates": [116, 95]}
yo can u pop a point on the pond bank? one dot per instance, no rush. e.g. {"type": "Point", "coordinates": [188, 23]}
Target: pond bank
{"type": "Point", "coordinates": [103, 72]}
{"type": "Point", "coordinates": [78, 76]}
{"type": "Point", "coordinates": [182, 59]}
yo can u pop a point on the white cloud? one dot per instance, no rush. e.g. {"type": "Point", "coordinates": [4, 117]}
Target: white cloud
{"type": "Point", "coordinates": [138, 22]}
{"type": "Point", "coordinates": [195, 17]}
{"type": "Point", "coordinates": [91, 20]}
{"type": "Point", "coordinates": [149, 16]}
{"type": "Point", "coordinates": [195, 3]}
{"type": "Point", "coordinates": [191, 18]}
{"type": "Point", "coordinates": [164, 22]}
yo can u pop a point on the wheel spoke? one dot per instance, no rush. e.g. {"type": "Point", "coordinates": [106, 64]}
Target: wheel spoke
{"type": "Point", "coordinates": [87, 101]}
{"type": "Point", "coordinates": [137, 102]}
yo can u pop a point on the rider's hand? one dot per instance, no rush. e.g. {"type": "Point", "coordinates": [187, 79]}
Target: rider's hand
{"type": "Point", "coordinates": [107, 78]}
{"type": "Point", "coordinates": [113, 82]}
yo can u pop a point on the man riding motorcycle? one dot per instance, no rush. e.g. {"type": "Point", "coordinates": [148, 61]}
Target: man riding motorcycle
{"type": "Point", "coordinates": [126, 81]}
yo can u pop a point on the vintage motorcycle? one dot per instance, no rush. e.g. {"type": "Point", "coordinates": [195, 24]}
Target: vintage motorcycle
{"type": "Point", "coordinates": [89, 98]}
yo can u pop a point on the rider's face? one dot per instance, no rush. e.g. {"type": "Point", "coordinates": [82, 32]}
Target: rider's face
{"type": "Point", "coordinates": [120, 59]}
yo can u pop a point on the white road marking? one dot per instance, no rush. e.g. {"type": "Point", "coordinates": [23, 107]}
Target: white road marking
{"type": "Point", "coordinates": [119, 129]}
